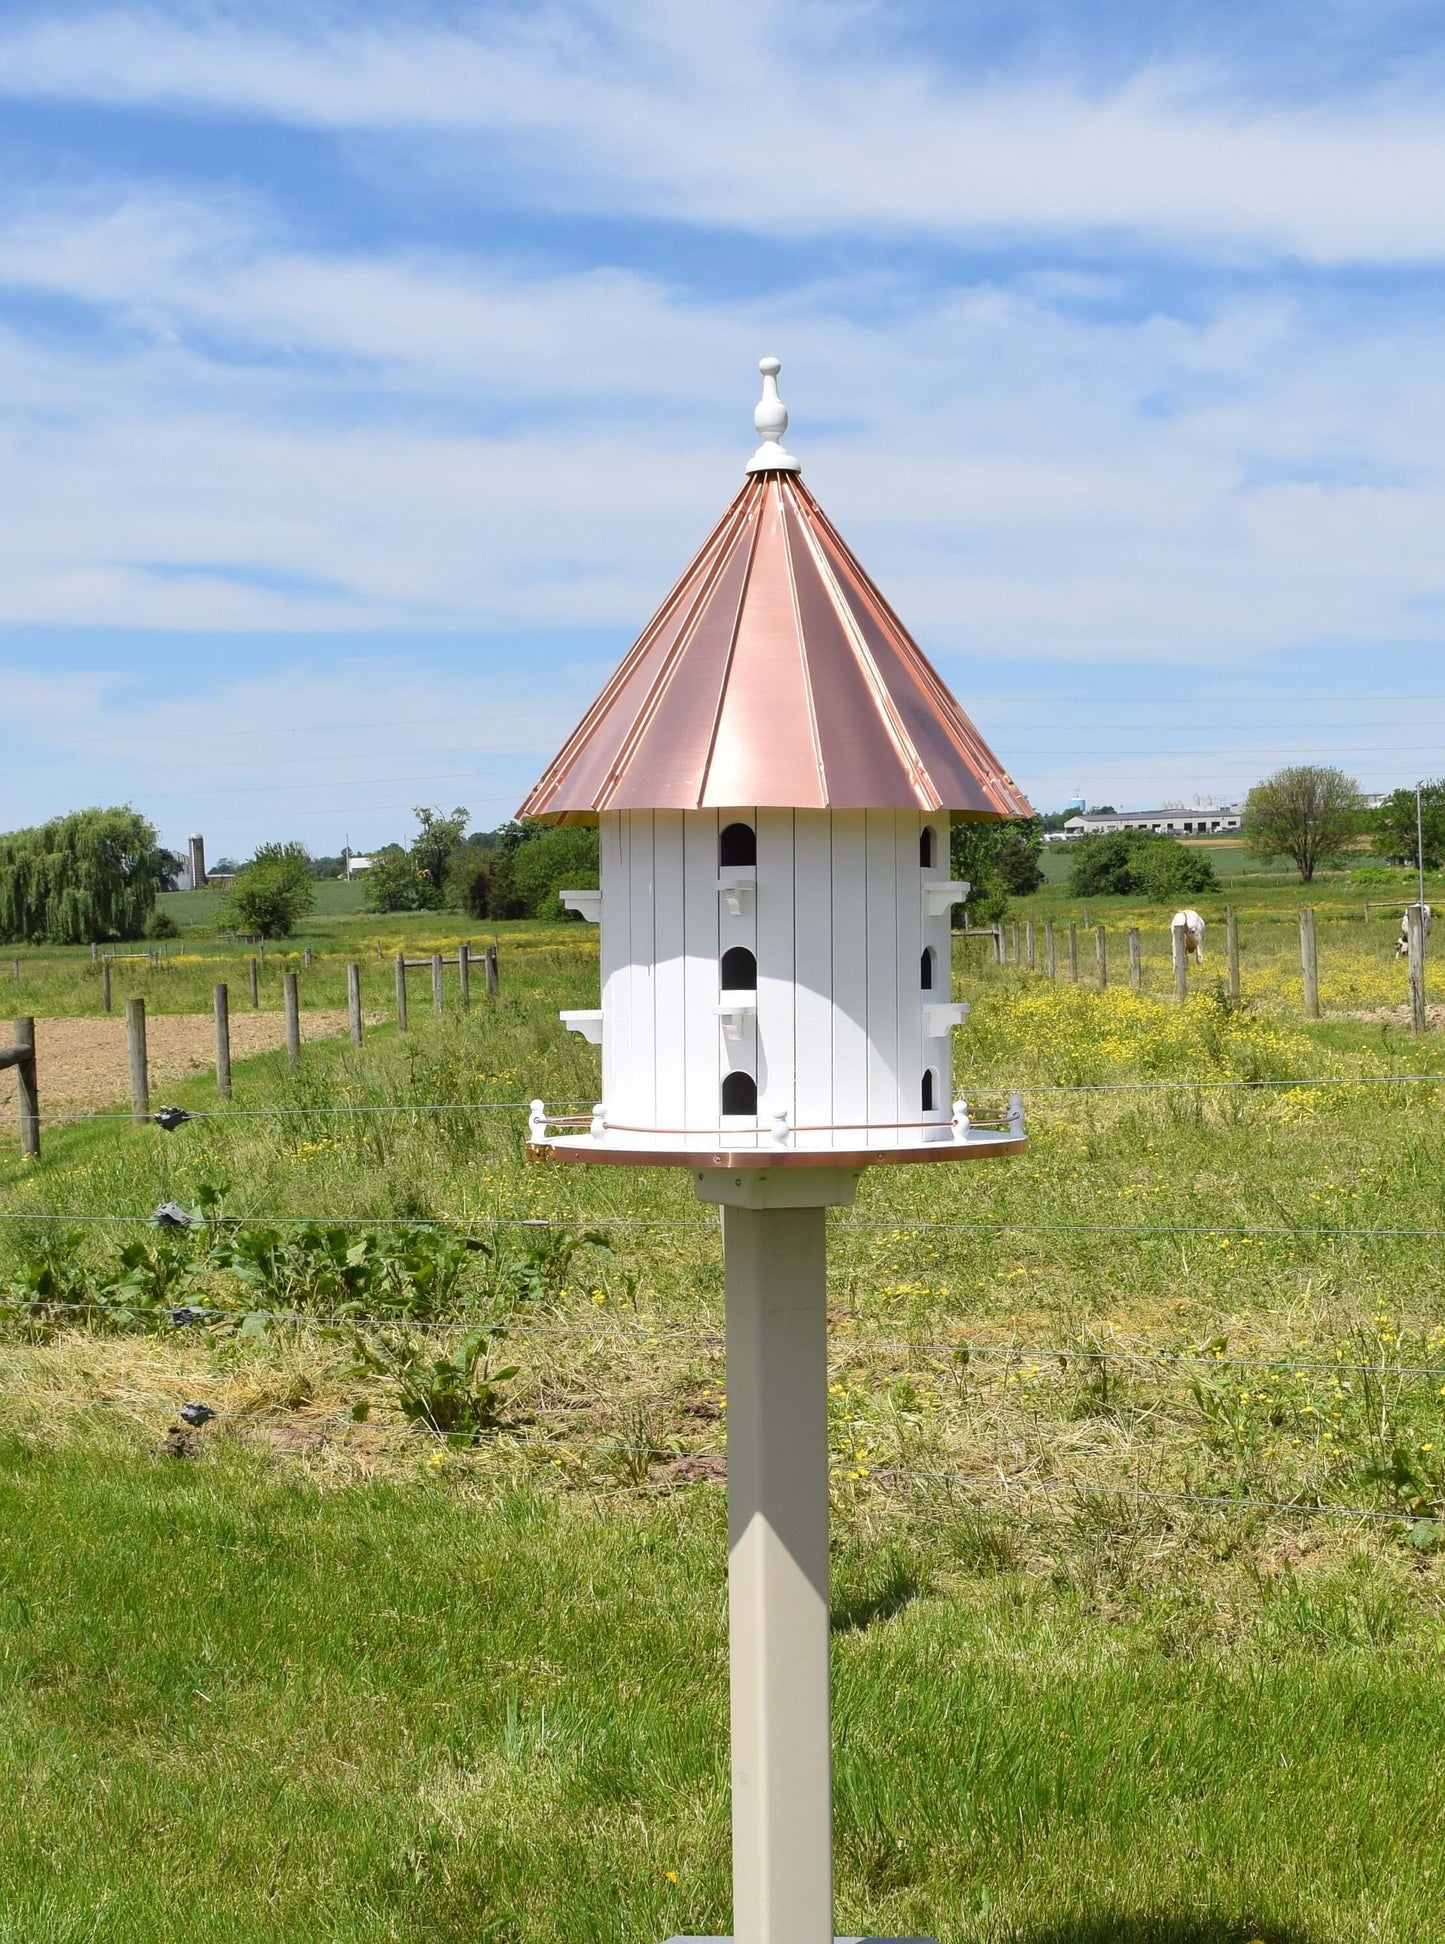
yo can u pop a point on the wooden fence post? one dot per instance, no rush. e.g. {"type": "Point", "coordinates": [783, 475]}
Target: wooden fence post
{"type": "Point", "coordinates": [135, 1048]}
{"type": "Point", "coordinates": [998, 945]}
{"type": "Point", "coordinates": [464, 974]}
{"type": "Point", "coordinates": [401, 992]}
{"type": "Point", "coordinates": [255, 975]}
{"type": "Point", "coordinates": [1309, 962]}
{"type": "Point", "coordinates": [15, 970]}
{"type": "Point", "coordinates": [1415, 934]}
{"type": "Point", "coordinates": [1074, 953]}
{"type": "Point", "coordinates": [221, 1002]}
{"type": "Point", "coordinates": [1101, 956]}
{"type": "Point", "coordinates": [1181, 961]}
{"type": "Point", "coordinates": [1231, 949]}
{"type": "Point", "coordinates": [105, 983]}
{"type": "Point", "coordinates": [293, 1020]}
{"type": "Point", "coordinates": [438, 1001]}
{"type": "Point", "coordinates": [1050, 959]}
{"type": "Point", "coordinates": [28, 1089]}
{"type": "Point", "coordinates": [494, 976]}
{"type": "Point", "coordinates": [1029, 943]}
{"type": "Point", "coordinates": [1136, 970]}
{"type": "Point", "coordinates": [307, 959]}
{"type": "Point", "coordinates": [94, 951]}
{"type": "Point", "coordinates": [1014, 939]}
{"type": "Point", "coordinates": [353, 1001]}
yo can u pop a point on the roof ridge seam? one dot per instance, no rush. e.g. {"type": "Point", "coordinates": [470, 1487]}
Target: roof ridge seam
{"type": "Point", "coordinates": [561, 764]}
{"type": "Point", "coordinates": [727, 667]}
{"type": "Point", "coordinates": [878, 689]}
{"type": "Point", "coordinates": [652, 701]}
{"type": "Point", "coordinates": [939, 692]}
{"type": "Point", "coordinates": [800, 637]}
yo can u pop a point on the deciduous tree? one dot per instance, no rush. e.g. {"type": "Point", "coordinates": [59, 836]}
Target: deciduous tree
{"type": "Point", "coordinates": [1138, 864]}
{"type": "Point", "coordinates": [1393, 826]}
{"type": "Point", "coordinates": [273, 891]}
{"type": "Point", "coordinates": [999, 860]}
{"type": "Point", "coordinates": [1307, 812]}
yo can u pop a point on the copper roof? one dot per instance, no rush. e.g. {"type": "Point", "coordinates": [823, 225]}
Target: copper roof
{"type": "Point", "coordinates": [775, 674]}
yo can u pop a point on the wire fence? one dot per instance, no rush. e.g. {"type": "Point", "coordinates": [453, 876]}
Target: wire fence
{"type": "Point", "coordinates": [1193, 1084]}
{"type": "Point", "coordinates": [993, 1225]}
{"type": "Point", "coordinates": [842, 1344]}
{"type": "Point", "coordinates": [846, 1346]}
{"type": "Point", "coordinates": [711, 1466]}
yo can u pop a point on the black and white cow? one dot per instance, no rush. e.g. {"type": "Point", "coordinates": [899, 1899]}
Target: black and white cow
{"type": "Point", "coordinates": [1402, 944]}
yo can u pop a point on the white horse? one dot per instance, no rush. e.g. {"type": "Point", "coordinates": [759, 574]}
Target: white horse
{"type": "Point", "coordinates": [1192, 926]}
{"type": "Point", "coordinates": [1402, 944]}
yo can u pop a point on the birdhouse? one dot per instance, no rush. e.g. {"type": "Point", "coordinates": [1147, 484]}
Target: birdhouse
{"type": "Point", "coordinates": [773, 768]}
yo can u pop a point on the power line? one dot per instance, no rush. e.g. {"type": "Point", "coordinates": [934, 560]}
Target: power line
{"type": "Point", "coordinates": [351, 783]}
{"type": "Point", "coordinates": [165, 738]}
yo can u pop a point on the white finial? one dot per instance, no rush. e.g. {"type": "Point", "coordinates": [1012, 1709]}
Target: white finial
{"type": "Point", "coordinates": [770, 420]}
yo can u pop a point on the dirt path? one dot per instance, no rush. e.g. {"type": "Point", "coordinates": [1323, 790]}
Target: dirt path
{"type": "Point", "coordinates": [81, 1063]}
{"type": "Point", "coordinates": [1394, 1015]}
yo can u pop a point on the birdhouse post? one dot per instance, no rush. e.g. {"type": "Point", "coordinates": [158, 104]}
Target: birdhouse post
{"type": "Point", "coordinates": [773, 768]}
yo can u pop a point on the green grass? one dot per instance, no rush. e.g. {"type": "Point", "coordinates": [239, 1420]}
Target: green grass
{"type": "Point", "coordinates": [308, 1683]}
{"type": "Point", "coordinates": [58, 983]}
{"type": "Point", "coordinates": [235, 1705]}
{"type": "Point", "coordinates": [197, 910]}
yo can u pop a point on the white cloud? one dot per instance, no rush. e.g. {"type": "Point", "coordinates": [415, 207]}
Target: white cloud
{"type": "Point", "coordinates": [294, 751]}
{"type": "Point", "coordinates": [257, 437]}
{"type": "Point", "coordinates": [671, 111]}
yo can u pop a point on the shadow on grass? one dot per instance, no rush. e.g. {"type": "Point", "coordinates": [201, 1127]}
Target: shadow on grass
{"type": "Point", "coordinates": [883, 1587]}
{"type": "Point", "coordinates": [1162, 1928]}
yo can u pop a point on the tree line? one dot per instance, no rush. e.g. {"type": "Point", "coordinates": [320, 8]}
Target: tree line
{"type": "Point", "coordinates": [94, 875]}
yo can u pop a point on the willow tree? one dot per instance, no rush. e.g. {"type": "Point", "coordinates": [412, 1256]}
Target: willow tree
{"type": "Point", "coordinates": [91, 875]}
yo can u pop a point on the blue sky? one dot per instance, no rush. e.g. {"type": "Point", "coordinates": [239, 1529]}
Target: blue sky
{"type": "Point", "coordinates": [367, 374]}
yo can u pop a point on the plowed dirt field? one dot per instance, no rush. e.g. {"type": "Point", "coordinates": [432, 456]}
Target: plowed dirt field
{"type": "Point", "coordinates": [81, 1063]}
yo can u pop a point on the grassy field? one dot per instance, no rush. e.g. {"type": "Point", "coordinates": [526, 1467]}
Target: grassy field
{"type": "Point", "coordinates": [197, 910]}
{"type": "Point", "coordinates": [387, 1650]}
{"type": "Point", "coordinates": [56, 983]}
{"type": "Point", "coordinates": [1359, 972]}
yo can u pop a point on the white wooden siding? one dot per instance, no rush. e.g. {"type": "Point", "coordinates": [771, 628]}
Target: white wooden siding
{"type": "Point", "coordinates": [738, 1055]}
{"type": "Point", "coordinates": [850, 968]}
{"type": "Point", "coordinates": [669, 983]}
{"type": "Point", "coordinates": [836, 925]}
{"type": "Point", "coordinates": [701, 1061]}
{"type": "Point", "coordinates": [777, 928]}
{"type": "Point", "coordinates": [813, 949]}
{"type": "Point", "coordinates": [883, 968]}
{"type": "Point", "coordinates": [615, 947]}
{"type": "Point", "coordinates": [641, 1084]}
{"type": "Point", "coordinates": [908, 880]}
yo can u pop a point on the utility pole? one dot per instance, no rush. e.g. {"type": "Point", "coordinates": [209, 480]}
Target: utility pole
{"type": "Point", "coordinates": [1420, 848]}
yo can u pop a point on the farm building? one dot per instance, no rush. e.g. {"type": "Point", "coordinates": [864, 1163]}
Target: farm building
{"type": "Point", "coordinates": [1219, 820]}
